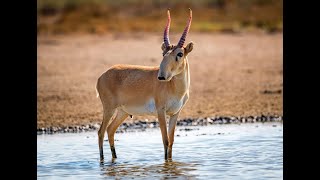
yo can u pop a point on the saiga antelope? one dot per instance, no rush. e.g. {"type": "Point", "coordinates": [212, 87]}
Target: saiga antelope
{"type": "Point", "coordinates": [144, 90]}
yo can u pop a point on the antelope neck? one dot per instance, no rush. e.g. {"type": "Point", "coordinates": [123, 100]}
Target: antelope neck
{"type": "Point", "coordinates": [181, 82]}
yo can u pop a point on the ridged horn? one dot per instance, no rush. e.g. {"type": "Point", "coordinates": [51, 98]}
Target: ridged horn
{"type": "Point", "coordinates": [185, 32]}
{"type": "Point", "coordinates": [166, 31]}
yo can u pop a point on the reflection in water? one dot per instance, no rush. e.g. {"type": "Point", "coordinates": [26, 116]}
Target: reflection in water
{"type": "Point", "coordinates": [168, 169]}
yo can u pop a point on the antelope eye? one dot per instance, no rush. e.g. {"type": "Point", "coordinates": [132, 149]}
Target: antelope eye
{"type": "Point", "coordinates": [180, 54]}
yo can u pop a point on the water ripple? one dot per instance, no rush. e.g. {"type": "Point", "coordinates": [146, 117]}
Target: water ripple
{"type": "Point", "coordinates": [219, 152]}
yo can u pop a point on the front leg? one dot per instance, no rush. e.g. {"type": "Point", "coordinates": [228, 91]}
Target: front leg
{"type": "Point", "coordinates": [172, 126]}
{"type": "Point", "coordinates": [163, 127]}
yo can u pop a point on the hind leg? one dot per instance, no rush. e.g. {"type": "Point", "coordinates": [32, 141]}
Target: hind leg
{"type": "Point", "coordinates": [107, 115]}
{"type": "Point", "coordinates": [120, 117]}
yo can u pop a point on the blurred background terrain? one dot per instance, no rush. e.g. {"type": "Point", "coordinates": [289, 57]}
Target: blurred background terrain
{"type": "Point", "coordinates": [236, 65]}
{"type": "Point", "coordinates": [100, 16]}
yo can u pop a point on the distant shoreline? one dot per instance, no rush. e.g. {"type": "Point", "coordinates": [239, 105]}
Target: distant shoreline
{"type": "Point", "coordinates": [144, 124]}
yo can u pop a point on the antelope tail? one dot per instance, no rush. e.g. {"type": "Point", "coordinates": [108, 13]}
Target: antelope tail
{"type": "Point", "coordinates": [97, 93]}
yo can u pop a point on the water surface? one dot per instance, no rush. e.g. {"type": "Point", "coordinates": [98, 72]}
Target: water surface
{"type": "Point", "coordinates": [232, 151]}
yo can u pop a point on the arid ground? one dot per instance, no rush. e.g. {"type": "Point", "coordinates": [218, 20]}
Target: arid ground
{"type": "Point", "coordinates": [231, 74]}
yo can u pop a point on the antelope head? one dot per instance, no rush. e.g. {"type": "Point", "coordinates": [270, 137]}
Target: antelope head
{"type": "Point", "coordinates": [174, 56]}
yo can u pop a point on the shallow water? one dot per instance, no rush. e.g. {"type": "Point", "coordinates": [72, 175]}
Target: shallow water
{"type": "Point", "coordinates": [232, 151]}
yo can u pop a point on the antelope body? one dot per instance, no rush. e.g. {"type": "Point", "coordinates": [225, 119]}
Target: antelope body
{"type": "Point", "coordinates": [144, 90]}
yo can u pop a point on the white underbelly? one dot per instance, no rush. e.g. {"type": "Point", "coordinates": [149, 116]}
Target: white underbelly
{"type": "Point", "coordinates": [148, 108]}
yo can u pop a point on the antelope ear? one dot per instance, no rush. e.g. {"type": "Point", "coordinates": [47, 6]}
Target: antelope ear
{"type": "Point", "coordinates": [163, 47]}
{"type": "Point", "coordinates": [189, 47]}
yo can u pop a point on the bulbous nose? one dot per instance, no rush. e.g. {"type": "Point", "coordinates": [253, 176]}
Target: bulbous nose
{"type": "Point", "coordinates": [161, 78]}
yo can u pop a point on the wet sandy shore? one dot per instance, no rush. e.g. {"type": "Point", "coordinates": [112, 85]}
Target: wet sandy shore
{"type": "Point", "coordinates": [142, 125]}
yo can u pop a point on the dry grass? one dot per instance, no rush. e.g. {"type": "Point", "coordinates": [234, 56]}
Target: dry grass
{"type": "Point", "coordinates": [230, 74]}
